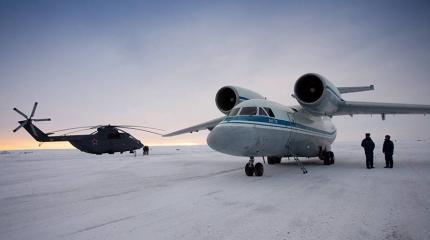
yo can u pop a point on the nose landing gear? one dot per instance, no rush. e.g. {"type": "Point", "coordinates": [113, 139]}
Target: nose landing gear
{"type": "Point", "coordinates": [251, 169]}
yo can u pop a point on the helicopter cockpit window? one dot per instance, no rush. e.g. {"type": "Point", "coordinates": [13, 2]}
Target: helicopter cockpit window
{"type": "Point", "coordinates": [234, 111]}
{"type": "Point", "coordinates": [269, 111]}
{"type": "Point", "coordinates": [261, 112]}
{"type": "Point", "coordinates": [114, 135]}
{"type": "Point", "coordinates": [248, 111]}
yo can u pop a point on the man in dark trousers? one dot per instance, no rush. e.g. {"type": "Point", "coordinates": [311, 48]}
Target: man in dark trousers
{"type": "Point", "coordinates": [145, 150]}
{"type": "Point", "coordinates": [388, 150]}
{"type": "Point", "coordinates": [368, 146]}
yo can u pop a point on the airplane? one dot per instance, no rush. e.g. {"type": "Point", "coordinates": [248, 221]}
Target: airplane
{"type": "Point", "coordinates": [105, 138]}
{"type": "Point", "coordinates": [256, 127]}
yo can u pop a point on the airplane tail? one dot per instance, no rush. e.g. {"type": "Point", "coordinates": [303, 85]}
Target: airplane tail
{"type": "Point", "coordinates": [28, 125]}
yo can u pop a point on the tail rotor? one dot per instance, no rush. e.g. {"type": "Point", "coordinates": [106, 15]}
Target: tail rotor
{"type": "Point", "coordinates": [28, 120]}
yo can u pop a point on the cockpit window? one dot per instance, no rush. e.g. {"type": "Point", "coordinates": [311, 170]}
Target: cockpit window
{"type": "Point", "coordinates": [248, 111]}
{"type": "Point", "coordinates": [234, 111]}
{"type": "Point", "coordinates": [269, 111]}
{"type": "Point", "coordinates": [261, 112]}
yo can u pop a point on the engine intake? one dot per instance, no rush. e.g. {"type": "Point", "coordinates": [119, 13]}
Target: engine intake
{"type": "Point", "coordinates": [316, 94]}
{"type": "Point", "coordinates": [229, 96]}
{"type": "Point", "coordinates": [309, 88]}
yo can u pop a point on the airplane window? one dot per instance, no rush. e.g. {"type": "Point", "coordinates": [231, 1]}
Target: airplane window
{"type": "Point", "coordinates": [269, 111]}
{"type": "Point", "coordinates": [234, 111]}
{"type": "Point", "coordinates": [261, 112]}
{"type": "Point", "coordinates": [248, 111]}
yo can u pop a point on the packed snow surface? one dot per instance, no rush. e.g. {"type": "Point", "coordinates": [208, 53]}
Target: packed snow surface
{"type": "Point", "coordinates": [196, 193]}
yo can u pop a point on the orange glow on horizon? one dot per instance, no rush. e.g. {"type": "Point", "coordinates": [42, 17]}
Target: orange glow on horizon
{"type": "Point", "coordinates": [30, 144]}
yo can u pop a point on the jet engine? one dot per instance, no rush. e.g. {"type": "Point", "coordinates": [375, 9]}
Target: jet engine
{"type": "Point", "coordinates": [316, 94]}
{"type": "Point", "coordinates": [229, 96]}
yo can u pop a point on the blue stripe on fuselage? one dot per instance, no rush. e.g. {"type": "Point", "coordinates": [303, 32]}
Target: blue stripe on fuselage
{"type": "Point", "coordinates": [272, 122]}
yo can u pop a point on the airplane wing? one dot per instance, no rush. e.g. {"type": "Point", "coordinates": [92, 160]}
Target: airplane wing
{"type": "Point", "coordinates": [202, 126]}
{"type": "Point", "coordinates": [351, 108]}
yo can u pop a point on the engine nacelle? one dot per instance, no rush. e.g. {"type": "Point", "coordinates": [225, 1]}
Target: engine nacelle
{"type": "Point", "coordinates": [229, 96]}
{"type": "Point", "coordinates": [316, 94]}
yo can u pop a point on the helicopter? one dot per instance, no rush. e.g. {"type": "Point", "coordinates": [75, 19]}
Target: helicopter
{"type": "Point", "coordinates": [104, 138]}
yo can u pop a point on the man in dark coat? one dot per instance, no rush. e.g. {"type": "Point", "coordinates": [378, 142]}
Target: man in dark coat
{"type": "Point", "coordinates": [388, 150]}
{"type": "Point", "coordinates": [368, 146]}
{"type": "Point", "coordinates": [145, 150]}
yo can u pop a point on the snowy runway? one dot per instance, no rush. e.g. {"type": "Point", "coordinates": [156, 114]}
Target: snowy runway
{"type": "Point", "coordinates": [195, 193]}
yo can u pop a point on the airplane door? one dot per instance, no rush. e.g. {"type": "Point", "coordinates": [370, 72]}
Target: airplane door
{"type": "Point", "coordinates": [290, 137]}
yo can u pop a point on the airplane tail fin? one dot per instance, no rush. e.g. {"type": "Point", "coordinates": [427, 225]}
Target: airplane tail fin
{"type": "Point", "coordinates": [27, 124]}
{"type": "Point", "coordinates": [355, 89]}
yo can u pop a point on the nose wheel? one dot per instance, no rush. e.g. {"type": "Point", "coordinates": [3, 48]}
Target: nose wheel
{"type": "Point", "coordinates": [251, 169]}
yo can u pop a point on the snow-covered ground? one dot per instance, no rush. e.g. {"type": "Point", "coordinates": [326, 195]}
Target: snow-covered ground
{"type": "Point", "coordinates": [196, 193]}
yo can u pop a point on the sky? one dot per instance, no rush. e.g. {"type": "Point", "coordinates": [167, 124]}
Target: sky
{"type": "Point", "coordinates": [160, 63]}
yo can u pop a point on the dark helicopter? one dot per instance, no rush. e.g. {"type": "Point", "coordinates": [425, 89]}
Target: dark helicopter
{"type": "Point", "coordinates": [105, 138]}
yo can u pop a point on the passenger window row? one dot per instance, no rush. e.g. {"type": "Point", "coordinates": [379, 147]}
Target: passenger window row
{"type": "Point", "coordinates": [251, 111]}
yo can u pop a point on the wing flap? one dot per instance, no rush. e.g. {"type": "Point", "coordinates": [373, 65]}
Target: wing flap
{"type": "Point", "coordinates": [202, 126]}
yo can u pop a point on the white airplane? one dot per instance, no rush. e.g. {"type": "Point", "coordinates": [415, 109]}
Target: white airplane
{"type": "Point", "coordinates": [256, 127]}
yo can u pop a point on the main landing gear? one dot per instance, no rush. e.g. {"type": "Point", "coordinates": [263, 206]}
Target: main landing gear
{"type": "Point", "coordinates": [251, 169]}
{"type": "Point", "coordinates": [328, 157]}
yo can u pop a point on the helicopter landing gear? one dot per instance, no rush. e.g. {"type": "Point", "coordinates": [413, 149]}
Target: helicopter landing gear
{"type": "Point", "coordinates": [251, 169]}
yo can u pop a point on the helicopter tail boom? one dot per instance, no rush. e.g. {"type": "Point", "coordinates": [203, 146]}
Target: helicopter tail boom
{"type": "Point", "coordinates": [36, 133]}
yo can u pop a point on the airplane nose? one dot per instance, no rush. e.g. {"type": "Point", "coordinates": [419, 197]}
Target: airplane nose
{"type": "Point", "coordinates": [234, 140]}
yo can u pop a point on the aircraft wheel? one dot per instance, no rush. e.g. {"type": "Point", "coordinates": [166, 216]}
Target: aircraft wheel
{"type": "Point", "coordinates": [259, 169]}
{"type": "Point", "coordinates": [331, 157]}
{"type": "Point", "coordinates": [326, 158]}
{"type": "Point", "coordinates": [249, 169]}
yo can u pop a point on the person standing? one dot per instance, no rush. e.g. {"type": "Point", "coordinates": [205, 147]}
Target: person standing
{"type": "Point", "coordinates": [388, 150]}
{"type": "Point", "coordinates": [368, 146]}
{"type": "Point", "coordinates": [145, 150]}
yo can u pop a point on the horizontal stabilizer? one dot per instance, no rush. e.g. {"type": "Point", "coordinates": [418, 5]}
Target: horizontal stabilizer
{"type": "Point", "coordinates": [355, 89]}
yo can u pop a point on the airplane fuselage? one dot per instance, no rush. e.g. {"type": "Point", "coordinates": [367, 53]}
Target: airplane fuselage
{"type": "Point", "coordinates": [256, 127]}
{"type": "Point", "coordinates": [264, 128]}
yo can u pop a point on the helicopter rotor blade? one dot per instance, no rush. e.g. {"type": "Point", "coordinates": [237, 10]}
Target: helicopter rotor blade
{"type": "Point", "coordinates": [80, 130]}
{"type": "Point", "coordinates": [142, 130]}
{"type": "Point", "coordinates": [73, 128]}
{"type": "Point", "coordinates": [34, 109]}
{"type": "Point", "coordinates": [21, 113]}
{"type": "Point", "coordinates": [20, 126]}
{"type": "Point", "coordinates": [133, 126]}
{"type": "Point", "coordinates": [41, 120]}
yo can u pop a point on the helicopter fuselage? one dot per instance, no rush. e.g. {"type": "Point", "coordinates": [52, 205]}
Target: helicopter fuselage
{"type": "Point", "coordinates": [106, 139]}
{"type": "Point", "coordinates": [99, 144]}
